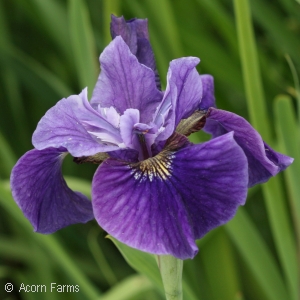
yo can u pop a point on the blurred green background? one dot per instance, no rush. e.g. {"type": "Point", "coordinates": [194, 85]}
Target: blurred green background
{"type": "Point", "coordinates": [49, 49]}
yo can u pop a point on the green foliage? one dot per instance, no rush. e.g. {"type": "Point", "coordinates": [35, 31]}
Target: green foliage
{"type": "Point", "coordinates": [49, 50]}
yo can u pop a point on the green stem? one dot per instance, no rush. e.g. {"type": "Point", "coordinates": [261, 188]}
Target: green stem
{"type": "Point", "coordinates": [171, 273]}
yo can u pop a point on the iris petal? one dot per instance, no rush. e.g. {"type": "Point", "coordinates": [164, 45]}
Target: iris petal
{"type": "Point", "coordinates": [263, 161]}
{"type": "Point", "coordinates": [125, 83]}
{"type": "Point", "coordinates": [135, 34]}
{"type": "Point", "coordinates": [164, 207]}
{"type": "Point", "coordinates": [182, 96]}
{"type": "Point", "coordinates": [208, 99]}
{"type": "Point", "coordinates": [42, 194]}
{"type": "Point", "coordinates": [128, 119]}
{"type": "Point", "coordinates": [67, 125]}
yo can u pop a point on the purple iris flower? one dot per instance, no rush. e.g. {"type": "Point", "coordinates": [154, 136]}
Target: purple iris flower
{"type": "Point", "coordinates": [153, 190]}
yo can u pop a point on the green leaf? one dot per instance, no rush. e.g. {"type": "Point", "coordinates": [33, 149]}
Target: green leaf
{"type": "Point", "coordinates": [83, 44]}
{"type": "Point", "coordinates": [15, 249]}
{"type": "Point", "coordinates": [222, 21]}
{"type": "Point", "coordinates": [254, 251]}
{"type": "Point", "coordinates": [271, 20]}
{"type": "Point", "coordinates": [51, 17]}
{"type": "Point", "coordinates": [77, 184]}
{"type": "Point", "coordinates": [166, 24]}
{"type": "Point", "coordinates": [296, 83]}
{"type": "Point", "coordinates": [7, 157]}
{"type": "Point", "coordinates": [22, 62]}
{"type": "Point", "coordinates": [219, 267]}
{"type": "Point", "coordinates": [109, 7]}
{"type": "Point", "coordinates": [142, 262]}
{"type": "Point", "coordinates": [104, 266]}
{"type": "Point", "coordinates": [251, 73]}
{"type": "Point", "coordinates": [132, 286]}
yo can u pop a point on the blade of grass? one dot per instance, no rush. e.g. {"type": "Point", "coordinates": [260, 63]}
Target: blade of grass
{"type": "Point", "coordinates": [221, 20]}
{"type": "Point", "coordinates": [270, 19]}
{"type": "Point", "coordinates": [83, 44]}
{"type": "Point", "coordinates": [42, 269]}
{"type": "Point", "coordinates": [219, 267]}
{"type": "Point", "coordinates": [282, 232]}
{"type": "Point", "coordinates": [51, 18]}
{"type": "Point", "coordinates": [142, 262]}
{"type": "Point", "coordinates": [31, 65]}
{"type": "Point", "coordinates": [251, 73]}
{"type": "Point", "coordinates": [296, 83]}
{"type": "Point", "coordinates": [132, 286]}
{"type": "Point", "coordinates": [215, 59]}
{"type": "Point", "coordinates": [7, 157]}
{"type": "Point", "coordinates": [254, 251]}
{"type": "Point", "coordinates": [109, 7]}
{"type": "Point", "coordinates": [273, 192]}
{"type": "Point", "coordinates": [80, 185]}
{"type": "Point", "coordinates": [166, 24]}
{"type": "Point", "coordinates": [14, 249]}
{"type": "Point", "coordinates": [99, 257]}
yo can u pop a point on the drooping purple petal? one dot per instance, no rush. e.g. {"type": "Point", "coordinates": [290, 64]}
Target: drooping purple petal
{"type": "Point", "coordinates": [263, 161]}
{"type": "Point", "coordinates": [208, 99]}
{"type": "Point", "coordinates": [125, 83]}
{"type": "Point", "coordinates": [135, 34]}
{"type": "Point", "coordinates": [71, 124]}
{"type": "Point", "coordinates": [163, 204]}
{"type": "Point", "coordinates": [42, 194]}
{"type": "Point", "coordinates": [182, 96]}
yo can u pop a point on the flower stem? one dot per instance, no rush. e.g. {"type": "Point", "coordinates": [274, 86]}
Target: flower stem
{"type": "Point", "coordinates": [171, 273]}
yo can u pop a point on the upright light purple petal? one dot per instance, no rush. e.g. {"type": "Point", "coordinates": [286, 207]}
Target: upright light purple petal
{"type": "Point", "coordinates": [125, 83]}
{"type": "Point", "coordinates": [135, 34]}
{"type": "Point", "coordinates": [68, 124]}
{"type": "Point", "coordinates": [182, 96]}
{"type": "Point", "coordinates": [42, 194]}
{"type": "Point", "coordinates": [135, 135]}
{"type": "Point", "coordinates": [163, 204]}
{"type": "Point", "coordinates": [263, 161]}
{"type": "Point", "coordinates": [208, 99]}
{"type": "Point", "coordinates": [128, 119]}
